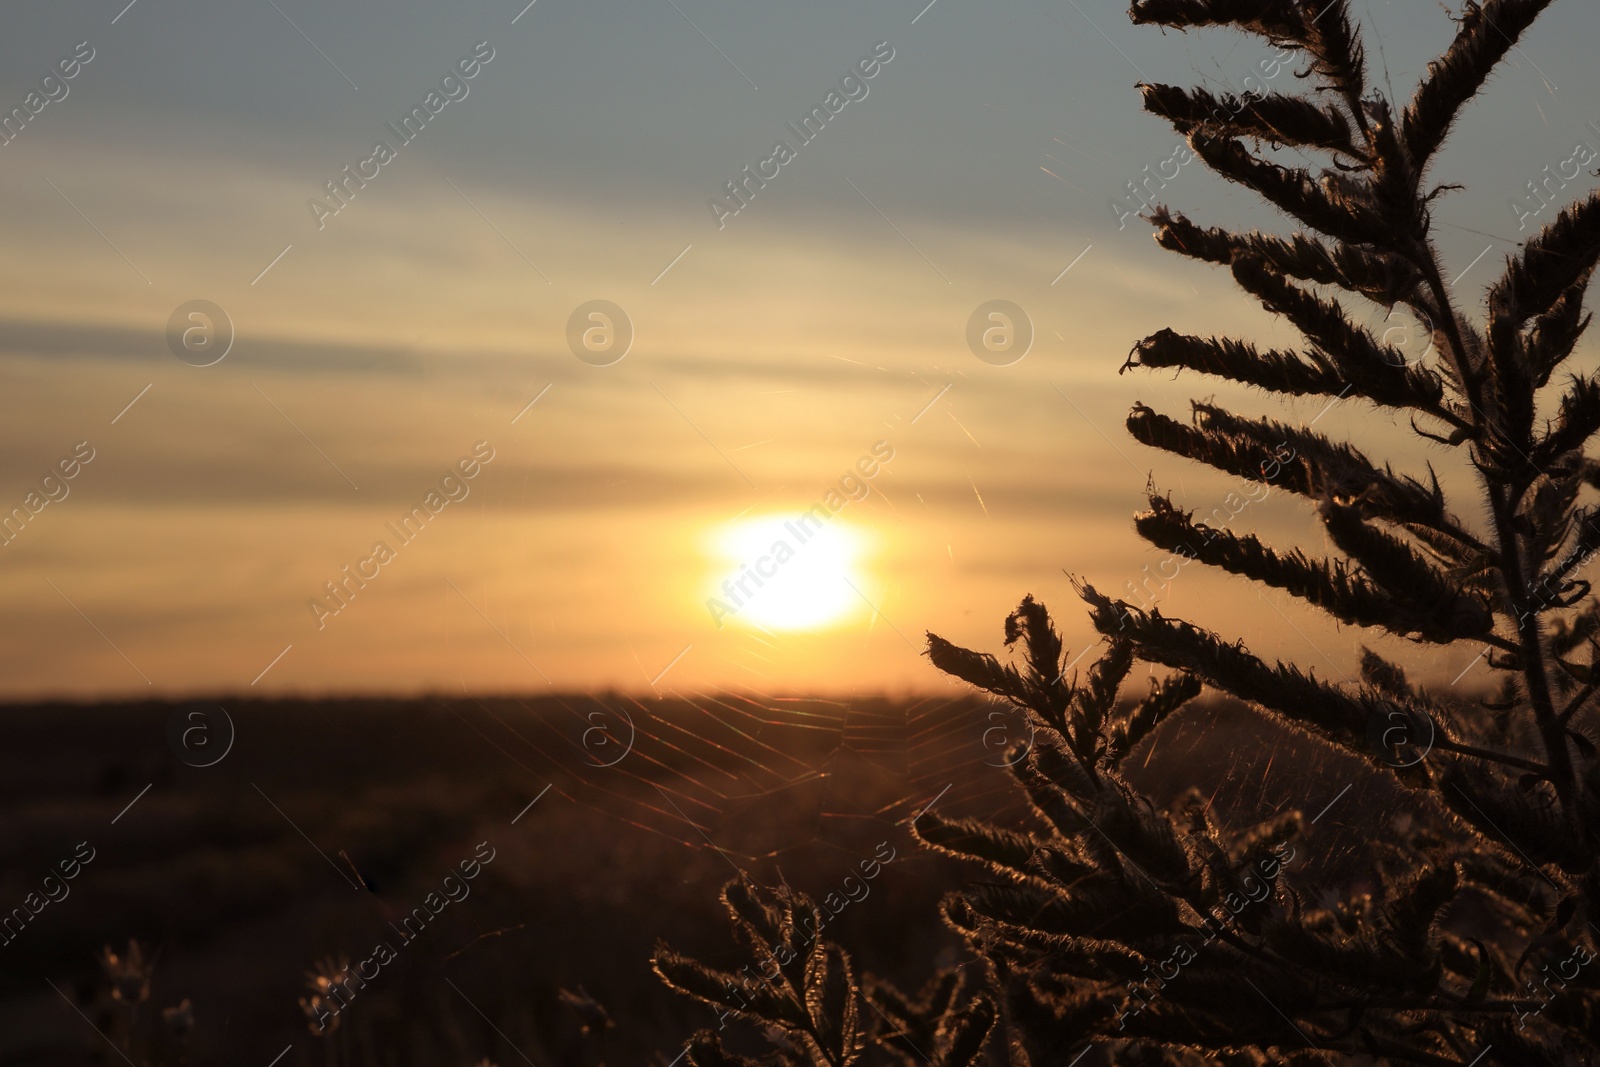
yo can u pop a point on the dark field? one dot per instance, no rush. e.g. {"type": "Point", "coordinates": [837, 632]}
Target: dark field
{"type": "Point", "coordinates": [328, 823]}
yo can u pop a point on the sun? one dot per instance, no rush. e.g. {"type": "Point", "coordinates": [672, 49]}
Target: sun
{"type": "Point", "coordinates": [786, 572]}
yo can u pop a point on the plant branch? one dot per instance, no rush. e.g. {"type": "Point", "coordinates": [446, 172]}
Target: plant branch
{"type": "Point", "coordinates": [1494, 757]}
{"type": "Point", "coordinates": [1576, 704]}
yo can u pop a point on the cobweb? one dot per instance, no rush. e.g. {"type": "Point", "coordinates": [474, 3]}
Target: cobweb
{"type": "Point", "coordinates": [776, 782]}
{"type": "Point", "coordinates": [758, 777]}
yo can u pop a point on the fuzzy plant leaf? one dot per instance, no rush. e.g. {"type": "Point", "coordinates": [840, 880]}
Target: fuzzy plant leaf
{"type": "Point", "coordinates": [965, 1033]}
{"type": "Point", "coordinates": [1280, 372]}
{"type": "Point", "coordinates": [981, 670]}
{"type": "Point", "coordinates": [906, 1025]}
{"type": "Point", "coordinates": [1552, 335]}
{"type": "Point", "coordinates": [1282, 691]}
{"type": "Point", "coordinates": [833, 1001]}
{"type": "Point", "coordinates": [1165, 697]}
{"type": "Point", "coordinates": [1484, 36]}
{"type": "Point", "coordinates": [1096, 698]}
{"type": "Point", "coordinates": [1274, 19]}
{"type": "Point", "coordinates": [1385, 676]}
{"type": "Point", "coordinates": [1299, 460]}
{"type": "Point", "coordinates": [1382, 277]}
{"type": "Point", "coordinates": [1330, 585]}
{"type": "Point", "coordinates": [1273, 117]}
{"type": "Point", "coordinates": [1585, 673]}
{"type": "Point", "coordinates": [1575, 424]}
{"type": "Point", "coordinates": [1337, 208]}
{"type": "Point", "coordinates": [733, 994]}
{"type": "Point", "coordinates": [1561, 256]}
{"type": "Point", "coordinates": [1031, 625]}
{"type": "Point", "coordinates": [1340, 60]}
{"type": "Point", "coordinates": [1006, 852]}
{"type": "Point", "coordinates": [1407, 575]}
{"type": "Point", "coordinates": [1369, 368]}
{"type": "Point", "coordinates": [1582, 545]}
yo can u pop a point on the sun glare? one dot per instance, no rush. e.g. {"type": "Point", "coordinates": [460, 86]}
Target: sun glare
{"type": "Point", "coordinates": [786, 572]}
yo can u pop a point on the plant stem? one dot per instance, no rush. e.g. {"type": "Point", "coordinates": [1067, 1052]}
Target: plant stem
{"type": "Point", "coordinates": [1529, 631]}
{"type": "Point", "coordinates": [1494, 757]}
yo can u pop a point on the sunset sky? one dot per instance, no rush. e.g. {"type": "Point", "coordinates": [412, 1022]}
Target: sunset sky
{"type": "Point", "coordinates": [375, 348]}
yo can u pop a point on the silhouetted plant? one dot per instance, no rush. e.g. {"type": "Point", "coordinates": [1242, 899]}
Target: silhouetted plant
{"type": "Point", "coordinates": [803, 993]}
{"type": "Point", "coordinates": [1167, 938]}
{"type": "Point", "coordinates": [127, 1029]}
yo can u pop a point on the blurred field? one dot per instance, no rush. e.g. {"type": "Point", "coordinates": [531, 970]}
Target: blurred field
{"type": "Point", "coordinates": [237, 878]}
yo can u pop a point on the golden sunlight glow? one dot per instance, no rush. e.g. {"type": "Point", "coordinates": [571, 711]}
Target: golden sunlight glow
{"type": "Point", "coordinates": [786, 572]}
